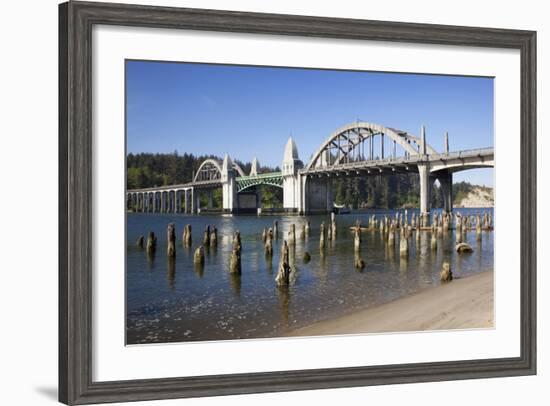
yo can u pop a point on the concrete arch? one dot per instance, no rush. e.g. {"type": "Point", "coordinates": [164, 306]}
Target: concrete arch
{"type": "Point", "coordinates": [366, 130]}
{"type": "Point", "coordinates": [239, 170]}
{"type": "Point", "coordinates": [458, 167]}
{"type": "Point", "coordinates": [218, 166]}
{"type": "Point", "coordinates": [204, 165]}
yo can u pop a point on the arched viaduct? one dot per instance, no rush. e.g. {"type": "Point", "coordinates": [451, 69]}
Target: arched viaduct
{"type": "Point", "coordinates": [357, 149]}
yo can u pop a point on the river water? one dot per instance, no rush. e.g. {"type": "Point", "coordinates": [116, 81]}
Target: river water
{"type": "Point", "coordinates": [174, 301]}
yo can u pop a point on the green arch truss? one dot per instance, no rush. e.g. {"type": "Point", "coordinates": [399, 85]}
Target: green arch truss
{"type": "Point", "coordinates": [272, 178]}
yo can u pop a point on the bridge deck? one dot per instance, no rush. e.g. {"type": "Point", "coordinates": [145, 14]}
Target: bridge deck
{"type": "Point", "coordinates": [399, 165]}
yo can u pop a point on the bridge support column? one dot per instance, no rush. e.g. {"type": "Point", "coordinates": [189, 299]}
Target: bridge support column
{"type": "Point", "coordinates": [185, 201]}
{"type": "Point", "coordinates": [425, 198]}
{"type": "Point", "coordinates": [446, 183]}
{"type": "Point", "coordinates": [318, 196]}
{"type": "Point", "coordinates": [292, 185]}
{"type": "Point", "coordinates": [229, 186]}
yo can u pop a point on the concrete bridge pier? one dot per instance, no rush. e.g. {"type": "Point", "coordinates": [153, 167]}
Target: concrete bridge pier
{"type": "Point", "coordinates": [318, 195]}
{"type": "Point", "coordinates": [292, 185]}
{"type": "Point", "coordinates": [229, 186]}
{"type": "Point", "coordinates": [425, 189]}
{"type": "Point", "coordinates": [446, 183]}
{"type": "Point", "coordinates": [197, 202]}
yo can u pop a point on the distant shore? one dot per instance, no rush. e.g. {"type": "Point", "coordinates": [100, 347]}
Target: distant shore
{"type": "Point", "coordinates": [463, 303]}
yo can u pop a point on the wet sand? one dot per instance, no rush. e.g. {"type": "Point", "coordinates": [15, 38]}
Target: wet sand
{"type": "Point", "coordinates": [460, 304]}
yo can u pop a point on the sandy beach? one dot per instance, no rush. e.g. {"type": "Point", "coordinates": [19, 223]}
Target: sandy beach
{"type": "Point", "coordinates": [462, 303]}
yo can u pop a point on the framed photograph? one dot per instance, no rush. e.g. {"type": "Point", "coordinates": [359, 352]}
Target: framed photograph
{"type": "Point", "coordinates": [260, 202]}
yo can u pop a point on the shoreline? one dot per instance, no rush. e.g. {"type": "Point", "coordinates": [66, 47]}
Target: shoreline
{"type": "Point", "coordinates": [464, 303]}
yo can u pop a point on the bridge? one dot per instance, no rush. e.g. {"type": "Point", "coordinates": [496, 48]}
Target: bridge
{"type": "Point", "coordinates": [355, 150]}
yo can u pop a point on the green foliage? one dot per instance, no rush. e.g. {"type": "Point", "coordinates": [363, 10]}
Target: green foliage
{"type": "Point", "coordinates": [272, 196]}
{"type": "Point", "coordinates": [391, 192]}
{"type": "Point", "coordinates": [377, 191]}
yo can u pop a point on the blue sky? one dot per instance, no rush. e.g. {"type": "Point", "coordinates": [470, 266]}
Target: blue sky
{"type": "Point", "coordinates": [251, 111]}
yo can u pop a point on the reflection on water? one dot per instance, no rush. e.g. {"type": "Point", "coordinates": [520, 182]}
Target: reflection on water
{"type": "Point", "coordinates": [173, 299]}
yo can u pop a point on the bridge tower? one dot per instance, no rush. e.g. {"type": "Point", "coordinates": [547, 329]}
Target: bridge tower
{"type": "Point", "coordinates": [254, 168]}
{"type": "Point", "coordinates": [229, 186]}
{"type": "Point", "coordinates": [291, 178]}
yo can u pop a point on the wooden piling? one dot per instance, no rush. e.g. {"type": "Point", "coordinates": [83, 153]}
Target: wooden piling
{"type": "Point", "coordinates": [403, 244]}
{"type": "Point", "coordinates": [446, 274]}
{"type": "Point", "coordinates": [322, 236]}
{"type": "Point", "coordinates": [139, 242]}
{"type": "Point", "coordinates": [151, 243]}
{"type": "Point", "coordinates": [187, 238]}
{"type": "Point", "coordinates": [357, 236]}
{"type": "Point", "coordinates": [198, 256]}
{"type": "Point", "coordinates": [206, 238]}
{"type": "Point", "coordinates": [283, 274]}
{"type": "Point", "coordinates": [214, 237]}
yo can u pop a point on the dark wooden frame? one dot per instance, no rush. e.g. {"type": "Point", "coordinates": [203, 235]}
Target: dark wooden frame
{"type": "Point", "coordinates": [75, 187]}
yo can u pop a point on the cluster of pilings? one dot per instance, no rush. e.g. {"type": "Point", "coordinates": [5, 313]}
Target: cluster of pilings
{"type": "Point", "coordinates": [437, 225]}
{"type": "Point", "coordinates": [209, 241]}
{"type": "Point", "coordinates": [399, 227]}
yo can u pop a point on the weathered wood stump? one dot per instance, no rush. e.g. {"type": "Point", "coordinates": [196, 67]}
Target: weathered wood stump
{"type": "Point", "coordinates": [464, 248]}
{"type": "Point", "coordinates": [433, 242]}
{"type": "Point", "coordinates": [403, 245]}
{"type": "Point", "coordinates": [446, 274]}
{"type": "Point", "coordinates": [391, 235]}
{"type": "Point", "coordinates": [264, 235]}
{"type": "Point", "coordinates": [303, 232]}
{"type": "Point", "coordinates": [283, 274]}
{"type": "Point", "coordinates": [268, 246]}
{"type": "Point", "coordinates": [235, 261]}
{"type": "Point", "coordinates": [308, 228]}
{"type": "Point", "coordinates": [206, 238]}
{"type": "Point", "coordinates": [276, 229]}
{"type": "Point", "coordinates": [307, 257]}
{"type": "Point", "coordinates": [478, 228]}
{"type": "Point", "coordinates": [214, 237]}
{"type": "Point", "coordinates": [357, 236]}
{"type": "Point", "coordinates": [151, 243]}
{"type": "Point", "coordinates": [187, 238]}
{"type": "Point", "coordinates": [292, 234]}
{"type": "Point", "coordinates": [171, 240]}
{"type": "Point", "coordinates": [333, 225]}
{"type": "Point", "coordinates": [198, 256]}
{"type": "Point", "coordinates": [237, 241]}
{"type": "Point", "coordinates": [322, 236]}
{"type": "Point", "coordinates": [139, 242]}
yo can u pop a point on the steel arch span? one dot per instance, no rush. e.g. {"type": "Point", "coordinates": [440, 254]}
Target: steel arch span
{"type": "Point", "coordinates": [355, 143]}
{"type": "Point", "coordinates": [271, 179]}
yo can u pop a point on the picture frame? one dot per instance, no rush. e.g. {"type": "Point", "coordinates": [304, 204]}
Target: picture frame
{"type": "Point", "coordinates": [76, 20]}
